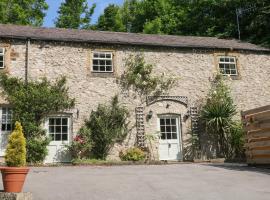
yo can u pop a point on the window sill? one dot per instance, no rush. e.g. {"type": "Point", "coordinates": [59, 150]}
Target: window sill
{"type": "Point", "coordinates": [102, 74]}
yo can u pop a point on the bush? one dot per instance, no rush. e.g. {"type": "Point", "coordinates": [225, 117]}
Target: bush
{"type": "Point", "coordinates": [16, 148]}
{"type": "Point", "coordinates": [132, 154]}
{"type": "Point", "coordinates": [30, 103]}
{"type": "Point", "coordinates": [81, 146]}
{"type": "Point", "coordinates": [237, 140]}
{"type": "Point", "coordinates": [108, 125]}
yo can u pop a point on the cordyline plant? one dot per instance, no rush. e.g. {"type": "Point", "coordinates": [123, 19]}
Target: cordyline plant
{"type": "Point", "coordinates": [218, 114]}
{"type": "Point", "coordinates": [31, 102]}
{"type": "Point", "coordinates": [139, 77]}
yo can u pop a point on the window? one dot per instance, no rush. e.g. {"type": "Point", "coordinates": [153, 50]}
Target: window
{"type": "Point", "coordinates": [227, 65]}
{"type": "Point", "coordinates": [102, 62]}
{"type": "Point", "coordinates": [6, 119]}
{"type": "Point", "coordinates": [2, 58]}
{"type": "Point", "coordinates": [168, 128]}
{"type": "Point", "coordinates": [58, 128]}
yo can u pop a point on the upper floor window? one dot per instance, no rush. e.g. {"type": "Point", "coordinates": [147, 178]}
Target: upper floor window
{"type": "Point", "coordinates": [102, 62]}
{"type": "Point", "coordinates": [6, 121]}
{"type": "Point", "coordinates": [227, 65]}
{"type": "Point", "coordinates": [2, 58]}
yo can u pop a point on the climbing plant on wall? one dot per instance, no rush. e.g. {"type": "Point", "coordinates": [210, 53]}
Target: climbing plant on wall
{"type": "Point", "coordinates": [31, 102]}
{"type": "Point", "coordinates": [139, 77]}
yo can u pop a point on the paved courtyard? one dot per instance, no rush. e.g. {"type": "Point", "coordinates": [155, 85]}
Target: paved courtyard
{"type": "Point", "coordinates": [166, 182]}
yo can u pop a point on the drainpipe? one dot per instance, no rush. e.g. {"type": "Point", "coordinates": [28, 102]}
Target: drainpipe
{"type": "Point", "coordinates": [27, 59]}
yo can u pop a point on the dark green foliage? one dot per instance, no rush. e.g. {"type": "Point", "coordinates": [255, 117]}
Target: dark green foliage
{"type": "Point", "coordinates": [218, 115]}
{"type": "Point", "coordinates": [74, 14]}
{"type": "Point", "coordinates": [23, 12]}
{"type": "Point", "coordinates": [81, 146]}
{"type": "Point", "coordinates": [200, 18]}
{"type": "Point", "coordinates": [108, 124]}
{"type": "Point", "coordinates": [132, 154]}
{"type": "Point", "coordinates": [31, 103]}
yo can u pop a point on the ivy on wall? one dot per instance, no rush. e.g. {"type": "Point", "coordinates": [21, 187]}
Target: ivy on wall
{"type": "Point", "coordinates": [31, 102]}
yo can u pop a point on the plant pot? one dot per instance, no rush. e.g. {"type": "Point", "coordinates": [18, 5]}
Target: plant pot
{"type": "Point", "coordinates": [13, 178]}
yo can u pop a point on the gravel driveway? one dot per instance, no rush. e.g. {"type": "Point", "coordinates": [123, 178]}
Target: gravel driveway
{"type": "Point", "coordinates": [166, 182]}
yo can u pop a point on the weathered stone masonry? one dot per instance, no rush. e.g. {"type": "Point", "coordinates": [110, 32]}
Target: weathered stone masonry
{"type": "Point", "coordinates": [194, 68]}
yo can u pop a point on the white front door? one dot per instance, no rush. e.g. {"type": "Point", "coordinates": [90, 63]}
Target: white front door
{"type": "Point", "coordinates": [6, 127]}
{"type": "Point", "coordinates": [169, 141]}
{"type": "Point", "coordinates": [58, 129]}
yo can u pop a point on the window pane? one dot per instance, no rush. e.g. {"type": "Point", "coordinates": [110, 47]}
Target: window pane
{"type": "Point", "coordinates": [108, 55]}
{"type": "Point", "coordinates": [8, 127]}
{"type": "Point", "coordinates": [168, 121]}
{"type": "Point", "coordinates": [108, 68]}
{"type": "Point", "coordinates": [57, 137]}
{"type": "Point", "coordinates": [1, 50]}
{"type": "Point", "coordinates": [1, 64]}
{"type": "Point", "coordinates": [51, 129]}
{"type": "Point", "coordinates": [64, 137]}
{"type": "Point", "coordinates": [4, 110]}
{"type": "Point", "coordinates": [95, 55]}
{"type": "Point", "coordinates": [233, 72]}
{"type": "Point", "coordinates": [232, 66]}
{"type": "Point", "coordinates": [168, 129]}
{"type": "Point", "coordinates": [58, 129]}
{"type": "Point", "coordinates": [108, 62]}
{"type": "Point", "coordinates": [95, 68]}
{"type": "Point", "coordinates": [162, 128]}
{"type": "Point", "coordinates": [102, 68]}
{"type": "Point", "coordinates": [64, 121]}
{"type": "Point", "coordinates": [52, 137]}
{"type": "Point", "coordinates": [169, 136]}
{"type": "Point", "coordinates": [222, 59]}
{"type": "Point", "coordinates": [174, 136]}
{"type": "Point", "coordinates": [163, 136]}
{"type": "Point", "coordinates": [64, 129]}
{"type": "Point", "coordinates": [51, 121]}
{"type": "Point", "coordinates": [58, 121]}
{"type": "Point", "coordinates": [95, 62]}
{"type": "Point", "coordinates": [231, 59]}
{"type": "Point", "coordinates": [102, 55]}
{"type": "Point", "coordinates": [3, 127]}
{"type": "Point", "coordinates": [162, 122]}
{"type": "Point", "coordinates": [102, 62]}
{"type": "Point", "coordinates": [173, 128]}
{"type": "Point", "coordinates": [227, 60]}
{"type": "Point", "coordinates": [173, 121]}
{"type": "Point", "coordinates": [1, 58]}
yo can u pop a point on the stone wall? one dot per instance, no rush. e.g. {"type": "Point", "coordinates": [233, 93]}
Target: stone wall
{"type": "Point", "coordinates": [193, 68]}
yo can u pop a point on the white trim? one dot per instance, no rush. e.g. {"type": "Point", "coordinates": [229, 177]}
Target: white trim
{"type": "Point", "coordinates": [234, 62]}
{"type": "Point", "coordinates": [2, 54]}
{"type": "Point", "coordinates": [105, 59]}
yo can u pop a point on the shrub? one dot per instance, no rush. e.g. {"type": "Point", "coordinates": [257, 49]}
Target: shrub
{"type": "Point", "coordinates": [81, 146]}
{"type": "Point", "coordinates": [108, 125]}
{"type": "Point", "coordinates": [237, 140]}
{"type": "Point", "coordinates": [132, 154]}
{"type": "Point", "coordinates": [16, 149]}
{"type": "Point", "coordinates": [30, 103]}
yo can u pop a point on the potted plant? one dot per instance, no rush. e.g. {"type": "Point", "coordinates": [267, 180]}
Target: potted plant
{"type": "Point", "coordinates": [15, 173]}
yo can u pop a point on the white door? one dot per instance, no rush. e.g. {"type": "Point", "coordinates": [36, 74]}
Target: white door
{"type": "Point", "coordinates": [58, 129]}
{"type": "Point", "coordinates": [6, 127]}
{"type": "Point", "coordinates": [169, 141]}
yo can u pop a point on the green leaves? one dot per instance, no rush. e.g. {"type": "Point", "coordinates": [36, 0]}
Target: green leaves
{"type": "Point", "coordinates": [31, 102]}
{"type": "Point", "coordinates": [23, 12]}
{"type": "Point", "coordinates": [74, 14]}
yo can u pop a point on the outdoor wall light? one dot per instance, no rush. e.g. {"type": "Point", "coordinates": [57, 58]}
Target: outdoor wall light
{"type": "Point", "coordinates": [150, 114]}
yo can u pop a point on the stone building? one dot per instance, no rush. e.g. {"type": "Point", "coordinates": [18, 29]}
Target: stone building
{"type": "Point", "coordinates": [92, 61]}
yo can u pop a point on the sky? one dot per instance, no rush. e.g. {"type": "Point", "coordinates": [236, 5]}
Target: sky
{"type": "Point", "coordinates": [54, 5]}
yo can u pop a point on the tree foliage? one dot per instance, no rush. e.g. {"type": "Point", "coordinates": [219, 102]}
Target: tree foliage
{"type": "Point", "coordinates": [192, 17]}
{"type": "Point", "coordinates": [16, 149]}
{"type": "Point", "coordinates": [23, 12]}
{"type": "Point", "coordinates": [74, 14]}
{"type": "Point", "coordinates": [31, 102]}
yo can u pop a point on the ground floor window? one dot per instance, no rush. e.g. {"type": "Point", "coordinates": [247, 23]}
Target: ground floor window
{"type": "Point", "coordinates": [168, 128]}
{"type": "Point", "coordinates": [58, 128]}
{"type": "Point", "coordinates": [6, 119]}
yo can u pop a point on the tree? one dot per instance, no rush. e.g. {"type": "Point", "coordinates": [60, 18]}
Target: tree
{"type": "Point", "coordinates": [23, 12]}
{"type": "Point", "coordinates": [74, 14]}
{"type": "Point", "coordinates": [111, 19]}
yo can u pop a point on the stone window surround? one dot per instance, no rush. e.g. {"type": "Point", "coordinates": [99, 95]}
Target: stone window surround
{"type": "Point", "coordinates": [229, 54]}
{"type": "Point", "coordinates": [102, 74]}
{"type": "Point", "coordinates": [231, 68]}
{"type": "Point", "coordinates": [6, 47]}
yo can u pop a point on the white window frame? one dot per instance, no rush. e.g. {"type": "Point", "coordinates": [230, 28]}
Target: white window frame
{"type": "Point", "coordinates": [2, 54]}
{"type": "Point", "coordinates": [68, 129]}
{"type": "Point", "coordinates": [234, 62]}
{"type": "Point", "coordinates": [105, 59]}
{"type": "Point", "coordinates": [6, 121]}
